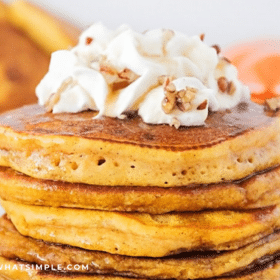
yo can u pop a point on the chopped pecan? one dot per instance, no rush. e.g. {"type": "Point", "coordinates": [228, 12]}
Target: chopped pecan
{"type": "Point", "coordinates": [202, 36]}
{"type": "Point", "coordinates": [203, 105]}
{"type": "Point", "coordinates": [161, 79]}
{"type": "Point", "coordinates": [175, 122]}
{"type": "Point", "coordinates": [190, 94]}
{"type": "Point", "coordinates": [272, 103]}
{"type": "Point", "coordinates": [88, 40]}
{"type": "Point", "coordinates": [182, 106]}
{"type": "Point", "coordinates": [217, 48]}
{"type": "Point", "coordinates": [165, 80]}
{"type": "Point", "coordinates": [54, 98]}
{"type": "Point", "coordinates": [129, 75]}
{"type": "Point", "coordinates": [226, 86]}
{"type": "Point", "coordinates": [181, 99]}
{"type": "Point", "coordinates": [185, 97]}
{"type": "Point", "coordinates": [170, 87]}
{"type": "Point", "coordinates": [115, 78]}
{"type": "Point", "coordinates": [223, 84]}
{"type": "Point", "coordinates": [168, 104]}
{"type": "Point", "coordinates": [226, 59]}
{"type": "Point", "coordinates": [108, 69]}
{"type": "Point", "coordinates": [231, 88]}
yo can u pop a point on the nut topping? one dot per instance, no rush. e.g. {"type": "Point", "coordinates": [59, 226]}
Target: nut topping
{"type": "Point", "coordinates": [223, 84]}
{"type": "Point", "coordinates": [168, 104]}
{"type": "Point", "coordinates": [272, 103]}
{"type": "Point", "coordinates": [165, 80]}
{"type": "Point", "coordinates": [202, 36]}
{"type": "Point", "coordinates": [54, 97]}
{"type": "Point", "coordinates": [226, 86]}
{"type": "Point", "coordinates": [114, 77]}
{"type": "Point", "coordinates": [231, 88]}
{"type": "Point", "coordinates": [129, 75]}
{"type": "Point", "coordinates": [203, 105]}
{"type": "Point", "coordinates": [175, 122]}
{"type": "Point", "coordinates": [89, 40]}
{"type": "Point", "coordinates": [181, 99]}
{"type": "Point", "coordinates": [226, 59]}
{"type": "Point", "coordinates": [170, 87]}
{"type": "Point", "coordinates": [217, 48]}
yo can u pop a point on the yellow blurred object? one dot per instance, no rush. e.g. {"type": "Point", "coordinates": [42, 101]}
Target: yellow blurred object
{"type": "Point", "coordinates": [48, 32]}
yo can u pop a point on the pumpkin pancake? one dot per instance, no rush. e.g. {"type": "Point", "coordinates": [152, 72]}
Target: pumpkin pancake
{"type": "Point", "coordinates": [191, 265]}
{"type": "Point", "coordinates": [134, 234]}
{"type": "Point", "coordinates": [27, 271]}
{"type": "Point", "coordinates": [261, 190]}
{"type": "Point", "coordinates": [108, 151]}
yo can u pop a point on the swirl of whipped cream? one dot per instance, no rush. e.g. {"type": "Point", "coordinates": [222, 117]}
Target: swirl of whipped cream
{"type": "Point", "coordinates": [169, 78]}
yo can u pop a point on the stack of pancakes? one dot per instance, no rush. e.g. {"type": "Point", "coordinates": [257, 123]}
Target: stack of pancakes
{"type": "Point", "coordinates": [136, 201]}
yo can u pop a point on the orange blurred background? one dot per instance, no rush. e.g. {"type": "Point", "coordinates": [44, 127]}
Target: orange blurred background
{"type": "Point", "coordinates": [258, 64]}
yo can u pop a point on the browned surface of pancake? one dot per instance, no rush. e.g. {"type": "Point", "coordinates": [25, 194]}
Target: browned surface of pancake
{"type": "Point", "coordinates": [257, 191]}
{"type": "Point", "coordinates": [191, 265]}
{"type": "Point", "coordinates": [22, 66]}
{"type": "Point", "coordinates": [220, 126]}
{"type": "Point", "coordinates": [114, 152]}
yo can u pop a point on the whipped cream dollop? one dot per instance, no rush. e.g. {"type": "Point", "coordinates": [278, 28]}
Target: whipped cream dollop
{"type": "Point", "coordinates": [166, 76]}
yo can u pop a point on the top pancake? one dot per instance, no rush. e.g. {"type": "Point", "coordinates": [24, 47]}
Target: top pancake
{"type": "Point", "coordinates": [108, 151]}
{"type": "Point", "coordinates": [220, 126]}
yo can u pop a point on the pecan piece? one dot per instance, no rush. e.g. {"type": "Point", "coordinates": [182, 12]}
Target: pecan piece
{"type": "Point", "coordinates": [89, 40]}
{"type": "Point", "coordinates": [54, 98]}
{"type": "Point", "coordinates": [170, 87]}
{"type": "Point", "coordinates": [202, 36]}
{"type": "Point", "coordinates": [175, 122]}
{"type": "Point", "coordinates": [165, 80]}
{"type": "Point", "coordinates": [226, 59]}
{"type": "Point", "coordinates": [168, 104]}
{"type": "Point", "coordinates": [184, 98]}
{"type": "Point", "coordinates": [223, 84]}
{"type": "Point", "coordinates": [217, 48]}
{"type": "Point", "coordinates": [129, 75]}
{"type": "Point", "coordinates": [203, 105]}
{"type": "Point", "coordinates": [272, 103]}
{"type": "Point", "coordinates": [231, 88]}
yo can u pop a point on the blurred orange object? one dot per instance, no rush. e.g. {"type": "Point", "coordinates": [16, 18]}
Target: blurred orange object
{"type": "Point", "coordinates": [28, 36]}
{"type": "Point", "coordinates": [258, 63]}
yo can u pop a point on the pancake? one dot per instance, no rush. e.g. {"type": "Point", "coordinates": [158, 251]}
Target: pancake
{"type": "Point", "coordinates": [107, 151]}
{"type": "Point", "coordinates": [22, 66]}
{"type": "Point", "coordinates": [191, 265]}
{"type": "Point", "coordinates": [134, 234]}
{"type": "Point", "coordinates": [24, 271]}
{"type": "Point", "coordinates": [258, 191]}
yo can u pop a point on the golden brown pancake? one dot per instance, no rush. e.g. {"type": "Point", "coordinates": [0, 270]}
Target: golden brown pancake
{"type": "Point", "coordinates": [265, 271]}
{"type": "Point", "coordinates": [191, 265]}
{"type": "Point", "coordinates": [22, 66]}
{"type": "Point", "coordinates": [261, 190]}
{"type": "Point", "coordinates": [108, 151]}
{"type": "Point", "coordinates": [134, 234]}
